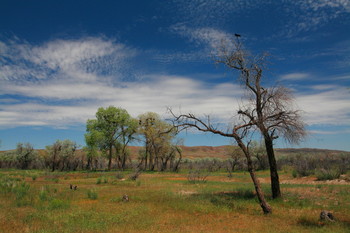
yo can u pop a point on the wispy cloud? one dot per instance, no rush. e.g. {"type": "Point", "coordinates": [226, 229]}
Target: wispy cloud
{"type": "Point", "coordinates": [326, 106]}
{"type": "Point", "coordinates": [40, 88]}
{"type": "Point", "coordinates": [298, 15]}
{"type": "Point", "coordinates": [295, 76]}
{"type": "Point", "coordinates": [77, 77]}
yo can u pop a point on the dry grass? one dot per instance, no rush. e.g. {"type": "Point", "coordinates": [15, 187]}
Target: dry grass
{"type": "Point", "coordinates": [166, 202]}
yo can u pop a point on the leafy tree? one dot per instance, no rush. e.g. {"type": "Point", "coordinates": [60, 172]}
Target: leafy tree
{"type": "Point", "coordinates": [62, 155]}
{"type": "Point", "coordinates": [113, 128]}
{"type": "Point", "coordinates": [92, 149]}
{"type": "Point", "coordinates": [25, 154]}
{"type": "Point", "coordinates": [158, 136]}
{"type": "Point", "coordinates": [236, 155]}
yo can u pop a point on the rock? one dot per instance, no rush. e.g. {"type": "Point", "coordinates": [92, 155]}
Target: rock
{"type": "Point", "coordinates": [125, 198]}
{"type": "Point", "coordinates": [325, 215]}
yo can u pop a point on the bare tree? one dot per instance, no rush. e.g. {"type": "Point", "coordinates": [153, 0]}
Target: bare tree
{"type": "Point", "coordinates": [271, 110]}
{"type": "Point", "coordinates": [239, 132]}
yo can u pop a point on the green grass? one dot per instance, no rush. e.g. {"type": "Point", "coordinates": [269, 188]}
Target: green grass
{"type": "Point", "coordinates": [163, 202]}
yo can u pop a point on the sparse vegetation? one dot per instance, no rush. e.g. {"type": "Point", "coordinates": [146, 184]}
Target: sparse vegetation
{"type": "Point", "coordinates": [45, 206]}
{"type": "Point", "coordinates": [92, 194]}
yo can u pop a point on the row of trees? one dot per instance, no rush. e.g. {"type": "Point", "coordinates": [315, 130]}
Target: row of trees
{"type": "Point", "coordinates": [114, 129]}
{"type": "Point", "coordinates": [107, 138]}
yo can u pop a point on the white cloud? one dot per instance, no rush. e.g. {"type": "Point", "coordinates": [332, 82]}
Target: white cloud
{"type": "Point", "coordinates": [326, 107]}
{"type": "Point", "coordinates": [63, 82]}
{"type": "Point", "coordinates": [295, 76]}
{"type": "Point", "coordinates": [297, 16]}
{"type": "Point", "coordinates": [68, 93]}
{"type": "Point", "coordinates": [210, 37]}
{"type": "Point", "coordinates": [155, 93]}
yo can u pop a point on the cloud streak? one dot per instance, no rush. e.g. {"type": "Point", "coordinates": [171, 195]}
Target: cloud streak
{"type": "Point", "coordinates": [62, 83]}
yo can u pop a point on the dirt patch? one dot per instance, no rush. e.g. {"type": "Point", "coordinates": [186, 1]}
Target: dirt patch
{"type": "Point", "coordinates": [314, 181]}
{"type": "Point", "coordinates": [187, 192]}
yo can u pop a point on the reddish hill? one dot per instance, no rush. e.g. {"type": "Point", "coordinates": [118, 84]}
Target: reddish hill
{"type": "Point", "coordinates": [193, 152]}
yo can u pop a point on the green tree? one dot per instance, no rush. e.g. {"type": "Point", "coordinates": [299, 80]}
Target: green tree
{"type": "Point", "coordinates": [25, 154]}
{"type": "Point", "coordinates": [61, 155]}
{"type": "Point", "coordinates": [112, 130]}
{"type": "Point", "coordinates": [158, 136]}
{"type": "Point", "coordinates": [92, 149]}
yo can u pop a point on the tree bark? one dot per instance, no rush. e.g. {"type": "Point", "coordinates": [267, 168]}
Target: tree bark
{"type": "Point", "coordinates": [264, 205]}
{"type": "Point", "coordinates": [110, 158]}
{"type": "Point", "coordinates": [275, 183]}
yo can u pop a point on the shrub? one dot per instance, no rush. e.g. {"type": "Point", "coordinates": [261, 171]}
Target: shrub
{"type": "Point", "coordinates": [196, 176]}
{"type": "Point", "coordinates": [92, 194]}
{"type": "Point", "coordinates": [34, 177]}
{"type": "Point", "coordinates": [327, 174]}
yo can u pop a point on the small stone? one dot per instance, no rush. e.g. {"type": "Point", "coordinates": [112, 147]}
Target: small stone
{"type": "Point", "coordinates": [326, 216]}
{"type": "Point", "coordinates": [125, 198]}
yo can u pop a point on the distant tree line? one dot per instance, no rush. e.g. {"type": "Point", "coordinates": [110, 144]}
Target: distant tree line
{"type": "Point", "coordinates": [107, 139]}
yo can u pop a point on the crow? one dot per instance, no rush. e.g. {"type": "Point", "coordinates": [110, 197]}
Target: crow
{"type": "Point", "coordinates": [237, 35]}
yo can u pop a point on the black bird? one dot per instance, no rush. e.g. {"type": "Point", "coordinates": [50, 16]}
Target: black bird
{"type": "Point", "coordinates": [237, 35]}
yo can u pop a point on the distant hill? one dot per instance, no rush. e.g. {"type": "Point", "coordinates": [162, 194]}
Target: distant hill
{"type": "Point", "coordinates": [193, 152]}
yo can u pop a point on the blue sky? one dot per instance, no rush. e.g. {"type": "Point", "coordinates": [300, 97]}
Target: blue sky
{"type": "Point", "coordinates": [61, 60]}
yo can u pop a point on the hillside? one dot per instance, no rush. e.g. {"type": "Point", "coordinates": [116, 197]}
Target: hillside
{"type": "Point", "coordinates": [193, 152]}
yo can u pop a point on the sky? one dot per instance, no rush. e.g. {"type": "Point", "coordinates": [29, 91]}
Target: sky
{"type": "Point", "coordinates": [62, 60]}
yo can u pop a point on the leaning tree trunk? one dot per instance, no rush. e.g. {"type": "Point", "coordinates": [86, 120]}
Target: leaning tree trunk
{"type": "Point", "coordinates": [264, 205]}
{"type": "Point", "coordinates": [275, 183]}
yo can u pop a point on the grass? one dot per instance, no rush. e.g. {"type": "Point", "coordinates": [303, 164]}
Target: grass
{"type": "Point", "coordinates": [163, 202]}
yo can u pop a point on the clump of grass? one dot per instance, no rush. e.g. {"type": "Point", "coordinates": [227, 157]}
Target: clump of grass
{"type": "Point", "coordinates": [92, 194]}
{"type": "Point", "coordinates": [34, 177]}
{"type": "Point", "coordinates": [309, 222]}
{"type": "Point", "coordinates": [21, 192]}
{"type": "Point", "coordinates": [246, 194]}
{"type": "Point", "coordinates": [43, 194]}
{"type": "Point", "coordinates": [55, 204]}
{"type": "Point", "coordinates": [327, 174]}
{"type": "Point", "coordinates": [101, 180]}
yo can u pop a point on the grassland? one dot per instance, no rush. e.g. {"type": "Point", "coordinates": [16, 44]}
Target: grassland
{"type": "Point", "coordinates": [38, 201]}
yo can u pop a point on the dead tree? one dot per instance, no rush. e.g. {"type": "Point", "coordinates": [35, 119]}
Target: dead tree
{"type": "Point", "coordinates": [239, 132]}
{"type": "Point", "coordinates": [270, 110]}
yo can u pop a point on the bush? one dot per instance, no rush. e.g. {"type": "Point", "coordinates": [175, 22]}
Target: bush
{"type": "Point", "coordinates": [92, 194]}
{"type": "Point", "coordinates": [327, 174]}
{"type": "Point", "coordinates": [34, 177]}
{"type": "Point", "coordinates": [196, 176]}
